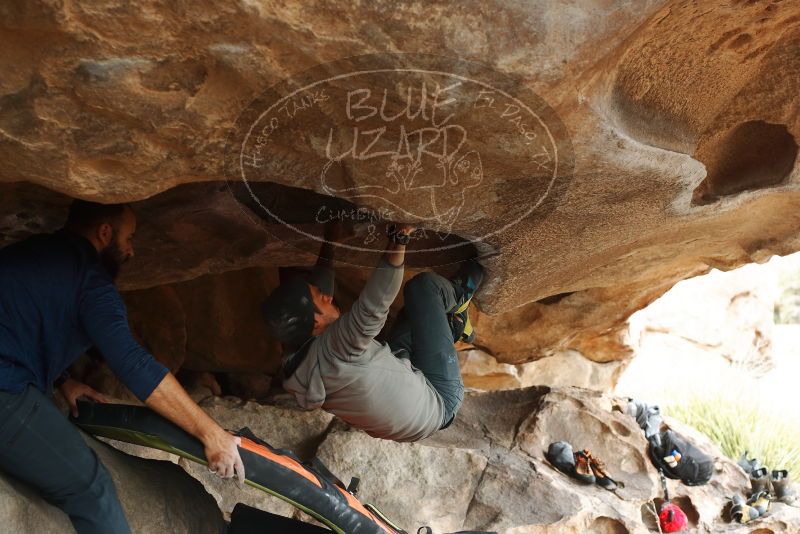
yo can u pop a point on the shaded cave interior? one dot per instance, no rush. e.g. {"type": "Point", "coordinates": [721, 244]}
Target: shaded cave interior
{"type": "Point", "coordinates": [208, 254]}
{"type": "Point", "coordinates": [752, 155]}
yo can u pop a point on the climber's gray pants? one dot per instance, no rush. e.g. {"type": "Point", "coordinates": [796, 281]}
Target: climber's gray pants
{"type": "Point", "coordinates": [40, 447]}
{"type": "Point", "coordinates": [422, 331]}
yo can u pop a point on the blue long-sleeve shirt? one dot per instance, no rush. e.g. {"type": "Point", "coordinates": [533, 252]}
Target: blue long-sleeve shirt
{"type": "Point", "coordinates": [56, 301]}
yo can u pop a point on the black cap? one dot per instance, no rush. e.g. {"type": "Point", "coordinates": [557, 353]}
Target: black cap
{"type": "Point", "coordinates": [289, 312]}
{"type": "Point", "coordinates": [324, 278]}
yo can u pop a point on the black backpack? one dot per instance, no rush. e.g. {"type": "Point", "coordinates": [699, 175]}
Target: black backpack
{"type": "Point", "coordinates": [695, 467]}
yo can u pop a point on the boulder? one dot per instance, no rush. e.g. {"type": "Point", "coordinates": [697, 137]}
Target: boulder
{"type": "Point", "coordinates": [412, 484]}
{"type": "Point", "coordinates": [487, 471]}
{"type": "Point", "coordinates": [672, 125]}
{"type": "Point", "coordinates": [610, 149]}
{"type": "Point", "coordinates": [212, 323]}
{"type": "Point", "coordinates": [157, 497]}
{"type": "Point", "coordinates": [563, 369]}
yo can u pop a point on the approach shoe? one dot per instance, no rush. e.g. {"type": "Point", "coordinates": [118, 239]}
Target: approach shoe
{"type": "Point", "coordinates": [561, 456]}
{"type": "Point", "coordinates": [573, 464]}
{"type": "Point", "coordinates": [583, 469]}
{"type": "Point", "coordinates": [782, 487]}
{"type": "Point", "coordinates": [760, 501]}
{"type": "Point", "coordinates": [648, 417]}
{"type": "Point", "coordinates": [741, 512]}
{"type": "Point", "coordinates": [462, 328]}
{"type": "Point", "coordinates": [759, 480]}
{"type": "Point", "coordinates": [467, 282]}
{"type": "Point", "coordinates": [748, 465]}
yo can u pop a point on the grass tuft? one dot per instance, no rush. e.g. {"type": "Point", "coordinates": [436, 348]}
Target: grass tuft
{"type": "Point", "coordinates": [738, 424]}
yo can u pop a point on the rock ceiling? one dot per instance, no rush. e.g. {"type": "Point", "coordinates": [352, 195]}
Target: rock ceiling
{"type": "Point", "coordinates": [591, 153]}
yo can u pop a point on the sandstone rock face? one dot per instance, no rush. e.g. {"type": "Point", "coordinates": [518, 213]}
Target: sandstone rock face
{"type": "Point", "coordinates": [428, 484]}
{"type": "Point", "coordinates": [569, 368]}
{"type": "Point", "coordinates": [22, 510]}
{"type": "Point", "coordinates": [666, 145]}
{"type": "Point", "coordinates": [676, 126]}
{"type": "Point", "coordinates": [157, 497]}
{"type": "Point", "coordinates": [213, 323]}
{"type": "Point", "coordinates": [487, 471]}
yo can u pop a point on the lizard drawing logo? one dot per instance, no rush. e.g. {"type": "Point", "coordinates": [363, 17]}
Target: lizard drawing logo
{"type": "Point", "coordinates": [459, 150]}
{"type": "Point", "coordinates": [442, 177]}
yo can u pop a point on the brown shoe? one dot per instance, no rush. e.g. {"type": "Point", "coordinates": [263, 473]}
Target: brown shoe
{"type": "Point", "coordinates": [599, 469]}
{"type": "Point", "coordinates": [583, 471]}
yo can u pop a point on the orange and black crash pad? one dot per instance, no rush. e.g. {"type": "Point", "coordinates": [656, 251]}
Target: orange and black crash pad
{"type": "Point", "coordinates": [309, 487]}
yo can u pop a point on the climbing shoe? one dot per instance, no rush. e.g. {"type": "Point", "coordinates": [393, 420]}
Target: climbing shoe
{"type": "Point", "coordinates": [782, 487]}
{"type": "Point", "coordinates": [741, 512]}
{"type": "Point", "coordinates": [581, 465]}
{"type": "Point", "coordinates": [462, 328]}
{"type": "Point", "coordinates": [760, 501]}
{"type": "Point", "coordinates": [599, 470]}
{"type": "Point", "coordinates": [574, 464]}
{"type": "Point", "coordinates": [759, 480]}
{"type": "Point", "coordinates": [748, 465]}
{"type": "Point", "coordinates": [583, 470]}
{"type": "Point", "coordinates": [467, 282]}
{"type": "Point", "coordinates": [561, 456]}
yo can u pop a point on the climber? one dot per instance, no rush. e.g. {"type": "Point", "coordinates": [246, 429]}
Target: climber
{"type": "Point", "coordinates": [57, 299]}
{"type": "Point", "coordinates": [403, 390]}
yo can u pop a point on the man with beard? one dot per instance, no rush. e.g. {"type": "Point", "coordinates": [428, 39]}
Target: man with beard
{"type": "Point", "coordinates": [58, 299]}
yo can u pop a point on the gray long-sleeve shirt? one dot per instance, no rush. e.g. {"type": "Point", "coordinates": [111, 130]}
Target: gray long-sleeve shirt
{"type": "Point", "coordinates": [353, 376]}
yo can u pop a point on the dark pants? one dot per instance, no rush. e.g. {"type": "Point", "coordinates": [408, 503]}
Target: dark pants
{"type": "Point", "coordinates": [40, 447]}
{"type": "Point", "coordinates": [423, 331]}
